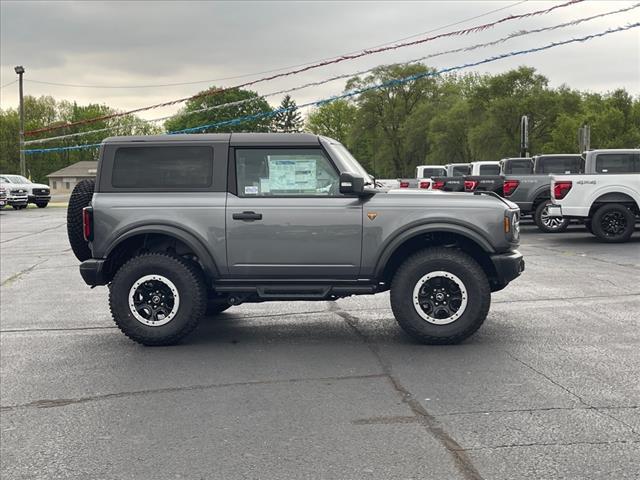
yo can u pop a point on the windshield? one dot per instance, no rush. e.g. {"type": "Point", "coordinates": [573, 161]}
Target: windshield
{"type": "Point", "coordinates": [15, 179]}
{"type": "Point", "coordinates": [351, 162]}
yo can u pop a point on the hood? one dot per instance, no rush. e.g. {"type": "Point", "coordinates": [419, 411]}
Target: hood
{"type": "Point", "coordinates": [25, 186]}
{"type": "Point", "coordinates": [414, 196]}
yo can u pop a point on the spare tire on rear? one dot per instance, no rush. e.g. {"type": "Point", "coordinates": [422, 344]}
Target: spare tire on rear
{"type": "Point", "coordinates": [80, 198]}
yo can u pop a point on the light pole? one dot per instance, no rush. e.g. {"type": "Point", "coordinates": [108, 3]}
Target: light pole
{"type": "Point", "coordinates": [23, 167]}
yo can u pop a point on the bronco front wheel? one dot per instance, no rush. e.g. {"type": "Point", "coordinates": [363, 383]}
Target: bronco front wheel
{"type": "Point", "coordinates": [440, 296]}
{"type": "Point", "coordinates": [157, 298]}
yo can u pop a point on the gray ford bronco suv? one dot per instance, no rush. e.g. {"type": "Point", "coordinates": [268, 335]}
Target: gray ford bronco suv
{"type": "Point", "coordinates": [180, 226]}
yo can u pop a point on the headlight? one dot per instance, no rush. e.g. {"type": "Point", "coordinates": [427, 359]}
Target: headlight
{"type": "Point", "coordinates": [515, 225]}
{"type": "Point", "coordinates": [512, 225]}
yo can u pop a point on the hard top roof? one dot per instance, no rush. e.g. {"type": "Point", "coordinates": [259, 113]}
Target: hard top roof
{"type": "Point", "coordinates": [232, 138]}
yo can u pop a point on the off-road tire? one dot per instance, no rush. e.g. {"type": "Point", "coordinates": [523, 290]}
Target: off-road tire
{"type": "Point", "coordinates": [80, 198]}
{"type": "Point", "coordinates": [42, 204]}
{"type": "Point", "coordinates": [191, 288]}
{"type": "Point", "coordinates": [625, 215]}
{"type": "Point", "coordinates": [537, 218]}
{"type": "Point", "coordinates": [449, 260]}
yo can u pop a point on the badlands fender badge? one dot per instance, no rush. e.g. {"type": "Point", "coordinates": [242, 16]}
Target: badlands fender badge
{"type": "Point", "coordinates": [372, 215]}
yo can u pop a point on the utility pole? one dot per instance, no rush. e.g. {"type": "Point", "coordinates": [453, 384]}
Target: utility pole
{"type": "Point", "coordinates": [23, 166]}
{"type": "Point", "coordinates": [524, 136]}
{"type": "Point", "coordinates": [584, 138]}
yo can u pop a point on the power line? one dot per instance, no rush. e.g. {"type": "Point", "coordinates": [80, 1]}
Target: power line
{"type": "Point", "coordinates": [516, 34]}
{"type": "Point", "coordinates": [245, 75]}
{"type": "Point", "coordinates": [8, 84]}
{"type": "Point", "coordinates": [360, 54]}
{"type": "Point", "coordinates": [359, 91]}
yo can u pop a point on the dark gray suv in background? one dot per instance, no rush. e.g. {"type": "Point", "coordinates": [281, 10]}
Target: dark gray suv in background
{"type": "Point", "coordinates": [180, 226]}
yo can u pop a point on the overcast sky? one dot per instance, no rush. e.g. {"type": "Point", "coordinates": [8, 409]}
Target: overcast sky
{"type": "Point", "coordinates": [149, 43]}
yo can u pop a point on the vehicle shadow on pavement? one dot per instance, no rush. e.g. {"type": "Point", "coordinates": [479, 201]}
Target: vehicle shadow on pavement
{"type": "Point", "coordinates": [236, 328]}
{"type": "Point", "coordinates": [232, 328]}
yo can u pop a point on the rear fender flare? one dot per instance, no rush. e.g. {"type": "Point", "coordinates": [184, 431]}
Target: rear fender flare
{"type": "Point", "coordinates": [210, 268]}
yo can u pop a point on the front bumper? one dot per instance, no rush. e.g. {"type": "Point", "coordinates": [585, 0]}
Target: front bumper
{"type": "Point", "coordinates": [39, 198]}
{"type": "Point", "coordinates": [17, 201]}
{"type": "Point", "coordinates": [508, 266]}
{"type": "Point", "coordinates": [92, 272]}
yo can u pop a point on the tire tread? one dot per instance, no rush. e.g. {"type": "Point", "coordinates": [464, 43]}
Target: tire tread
{"type": "Point", "coordinates": [197, 294]}
{"type": "Point", "coordinates": [440, 253]}
{"type": "Point", "coordinates": [80, 198]}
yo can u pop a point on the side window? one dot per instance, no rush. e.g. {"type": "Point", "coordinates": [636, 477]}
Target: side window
{"type": "Point", "coordinates": [171, 167]}
{"type": "Point", "coordinates": [617, 163]}
{"type": "Point", "coordinates": [285, 172]}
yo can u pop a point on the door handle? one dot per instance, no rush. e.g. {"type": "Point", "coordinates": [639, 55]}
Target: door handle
{"type": "Point", "coordinates": [247, 216]}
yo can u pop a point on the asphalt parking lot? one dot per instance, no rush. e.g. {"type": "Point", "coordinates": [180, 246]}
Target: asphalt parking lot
{"type": "Point", "coordinates": [548, 388]}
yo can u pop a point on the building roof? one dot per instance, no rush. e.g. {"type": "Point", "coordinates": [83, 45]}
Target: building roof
{"type": "Point", "coordinates": [80, 169]}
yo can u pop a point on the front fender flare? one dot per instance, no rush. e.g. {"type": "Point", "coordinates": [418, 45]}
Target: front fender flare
{"type": "Point", "coordinates": [421, 229]}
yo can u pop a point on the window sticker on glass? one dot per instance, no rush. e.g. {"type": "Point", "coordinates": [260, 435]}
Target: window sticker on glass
{"type": "Point", "coordinates": [264, 185]}
{"type": "Point", "coordinates": [288, 173]}
{"type": "Point", "coordinates": [251, 190]}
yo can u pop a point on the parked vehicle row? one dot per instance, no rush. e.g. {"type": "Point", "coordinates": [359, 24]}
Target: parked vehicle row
{"type": "Point", "coordinates": [528, 182]}
{"type": "Point", "coordinates": [532, 191]}
{"type": "Point", "coordinates": [20, 191]}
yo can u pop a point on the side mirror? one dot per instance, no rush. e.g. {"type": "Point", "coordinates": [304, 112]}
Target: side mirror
{"type": "Point", "coordinates": [351, 184]}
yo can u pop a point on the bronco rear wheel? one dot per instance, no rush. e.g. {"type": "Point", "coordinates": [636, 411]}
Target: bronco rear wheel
{"type": "Point", "coordinates": [440, 296]}
{"type": "Point", "coordinates": [80, 198]}
{"type": "Point", "coordinates": [157, 298]}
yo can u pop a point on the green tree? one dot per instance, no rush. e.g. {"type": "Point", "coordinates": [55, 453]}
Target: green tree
{"type": "Point", "coordinates": [203, 110]}
{"type": "Point", "coordinates": [384, 117]}
{"type": "Point", "coordinates": [289, 120]}
{"type": "Point", "coordinates": [46, 111]}
{"type": "Point", "coordinates": [333, 120]}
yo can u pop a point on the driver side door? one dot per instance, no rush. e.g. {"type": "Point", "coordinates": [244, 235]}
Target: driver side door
{"type": "Point", "coordinates": [286, 217]}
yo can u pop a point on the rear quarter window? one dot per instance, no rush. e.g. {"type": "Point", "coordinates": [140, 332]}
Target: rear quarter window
{"type": "Point", "coordinates": [171, 168]}
{"type": "Point", "coordinates": [618, 163]}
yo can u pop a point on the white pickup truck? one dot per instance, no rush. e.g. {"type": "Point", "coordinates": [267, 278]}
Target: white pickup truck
{"type": "Point", "coordinates": [608, 200]}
